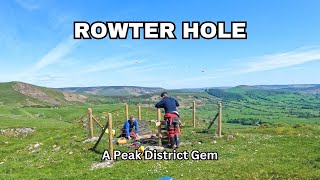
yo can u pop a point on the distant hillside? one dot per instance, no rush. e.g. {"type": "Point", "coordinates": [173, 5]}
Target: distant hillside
{"type": "Point", "coordinates": [114, 90]}
{"type": "Point", "coordinates": [244, 92]}
{"type": "Point", "coordinates": [197, 89]}
{"type": "Point", "coordinates": [299, 88]}
{"type": "Point", "coordinates": [225, 95]}
{"type": "Point", "coordinates": [23, 94]}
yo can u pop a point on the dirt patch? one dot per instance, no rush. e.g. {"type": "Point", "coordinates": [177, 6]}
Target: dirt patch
{"type": "Point", "coordinates": [74, 97]}
{"type": "Point", "coordinates": [155, 97]}
{"type": "Point", "coordinates": [187, 102]}
{"type": "Point", "coordinates": [147, 136]}
{"type": "Point", "coordinates": [34, 92]}
{"type": "Point", "coordinates": [144, 127]}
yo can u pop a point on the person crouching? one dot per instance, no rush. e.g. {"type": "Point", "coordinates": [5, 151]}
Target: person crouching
{"type": "Point", "coordinates": [127, 130]}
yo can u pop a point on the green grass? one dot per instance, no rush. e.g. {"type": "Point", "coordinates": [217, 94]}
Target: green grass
{"type": "Point", "coordinates": [286, 147]}
{"type": "Point", "coordinates": [10, 97]}
{"type": "Point", "coordinates": [284, 152]}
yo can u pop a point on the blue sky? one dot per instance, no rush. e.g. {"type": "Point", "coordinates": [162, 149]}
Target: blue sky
{"type": "Point", "coordinates": [37, 46]}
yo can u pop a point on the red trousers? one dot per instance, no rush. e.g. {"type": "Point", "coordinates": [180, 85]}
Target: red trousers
{"type": "Point", "coordinates": [132, 133]}
{"type": "Point", "coordinates": [172, 127]}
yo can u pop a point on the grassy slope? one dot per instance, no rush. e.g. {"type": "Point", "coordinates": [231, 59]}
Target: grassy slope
{"type": "Point", "coordinates": [57, 95]}
{"type": "Point", "coordinates": [273, 106]}
{"type": "Point", "coordinates": [268, 152]}
{"type": "Point", "coordinates": [113, 90]}
{"type": "Point", "coordinates": [11, 97]}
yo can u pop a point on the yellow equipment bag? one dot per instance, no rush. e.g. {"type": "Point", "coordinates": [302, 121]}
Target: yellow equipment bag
{"type": "Point", "coordinates": [122, 141]}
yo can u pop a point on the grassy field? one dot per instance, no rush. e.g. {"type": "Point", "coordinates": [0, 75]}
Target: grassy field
{"type": "Point", "coordinates": [285, 146]}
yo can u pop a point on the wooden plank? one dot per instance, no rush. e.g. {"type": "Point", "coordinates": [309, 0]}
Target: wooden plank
{"type": "Point", "coordinates": [139, 112]}
{"type": "Point", "coordinates": [97, 121]}
{"type": "Point", "coordinates": [110, 136]}
{"type": "Point", "coordinates": [220, 120]}
{"type": "Point", "coordinates": [158, 123]}
{"type": "Point", "coordinates": [159, 127]}
{"type": "Point", "coordinates": [127, 111]}
{"type": "Point", "coordinates": [90, 122]}
{"type": "Point", "coordinates": [194, 113]}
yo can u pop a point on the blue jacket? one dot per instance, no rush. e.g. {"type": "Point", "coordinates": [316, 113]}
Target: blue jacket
{"type": "Point", "coordinates": [169, 104]}
{"type": "Point", "coordinates": [128, 127]}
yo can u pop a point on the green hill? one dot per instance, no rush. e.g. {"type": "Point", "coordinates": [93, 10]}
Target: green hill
{"type": "Point", "coordinates": [252, 105]}
{"type": "Point", "coordinates": [23, 94]}
{"type": "Point", "coordinates": [299, 88]}
{"type": "Point", "coordinates": [113, 90]}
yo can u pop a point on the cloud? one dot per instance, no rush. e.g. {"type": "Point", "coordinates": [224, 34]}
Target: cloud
{"type": "Point", "coordinates": [199, 78]}
{"type": "Point", "coordinates": [144, 68]}
{"type": "Point", "coordinates": [281, 60]}
{"type": "Point", "coordinates": [112, 63]}
{"type": "Point", "coordinates": [261, 63]}
{"type": "Point", "coordinates": [46, 78]}
{"type": "Point", "coordinates": [56, 54]}
{"type": "Point", "coordinates": [30, 4]}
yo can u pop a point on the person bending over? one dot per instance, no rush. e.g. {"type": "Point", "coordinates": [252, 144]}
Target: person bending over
{"type": "Point", "coordinates": [169, 104]}
{"type": "Point", "coordinates": [171, 118]}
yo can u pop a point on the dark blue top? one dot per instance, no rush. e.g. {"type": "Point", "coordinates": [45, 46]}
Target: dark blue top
{"type": "Point", "coordinates": [169, 104]}
{"type": "Point", "coordinates": [128, 126]}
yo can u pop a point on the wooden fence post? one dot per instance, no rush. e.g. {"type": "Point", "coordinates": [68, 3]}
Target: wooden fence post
{"type": "Point", "coordinates": [90, 122]}
{"type": "Point", "coordinates": [110, 136]}
{"type": "Point", "coordinates": [127, 111]}
{"type": "Point", "coordinates": [159, 127]}
{"type": "Point", "coordinates": [139, 112]}
{"type": "Point", "coordinates": [220, 120]}
{"type": "Point", "coordinates": [194, 113]}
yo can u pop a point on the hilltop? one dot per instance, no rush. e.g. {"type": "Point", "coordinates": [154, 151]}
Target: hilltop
{"type": "Point", "coordinates": [113, 90]}
{"type": "Point", "coordinates": [296, 88]}
{"type": "Point", "coordinates": [24, 94]}
{"type": "Point", "coordinates": [299, 88]}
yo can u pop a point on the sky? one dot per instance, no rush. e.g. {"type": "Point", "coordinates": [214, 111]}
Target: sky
{"type": "Point", "coordinates": [282, 45]}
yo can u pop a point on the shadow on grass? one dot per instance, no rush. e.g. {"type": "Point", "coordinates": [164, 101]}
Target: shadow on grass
{"type": "Point", "coordinates": [95, 150]}
{"type": "Point", "coordinates": [203, 131]}
{"type": "Point", "coordinates": [187, 126]}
